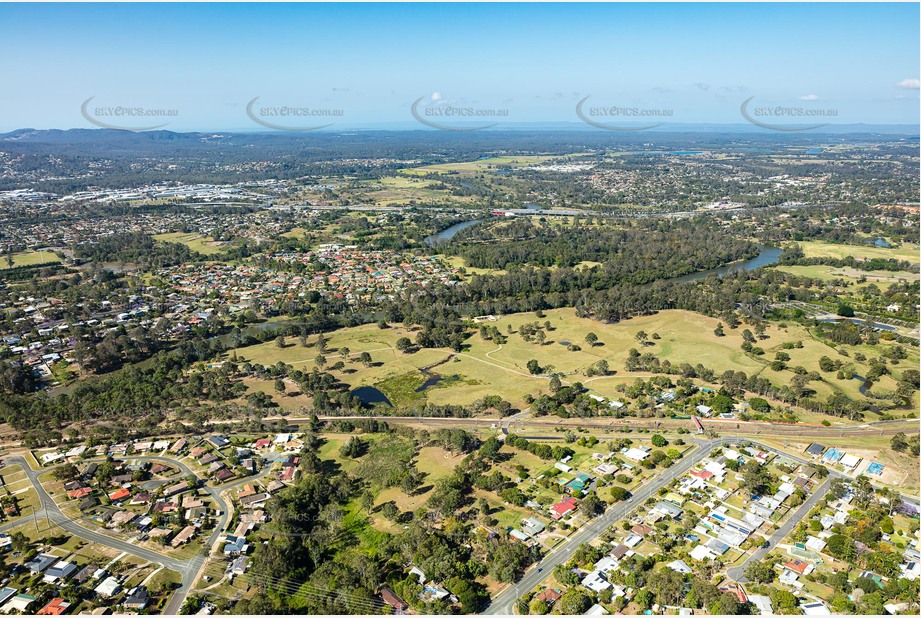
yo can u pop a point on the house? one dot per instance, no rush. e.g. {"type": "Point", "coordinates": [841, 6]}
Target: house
{"type": "Point", "coordinates": [40, 562]}
{"type": "Point", "coordinates": [563, 508]}
{"type": "Point", "coordinates": [390, 598]}
{"type": "Point", "coordinates": [595, 582]}
{"type": "Point", "coordinates": [636, 454]}
{"type": "Point", "coordinates": [816, 608]}
{"type": "Point", "coordinates": [6, 594]}
{"type": "Point", "coordinates": [137, 598]}
{"type": "Point", "coordinates": [235, 546]}
{"type": "Point", "coordinates": [60, 572]}
{"type": "Point", "coordinates": [633, 540]}
{"type": "Point", "coordinates": [700, 553]}
{"type": "Point", "coordinates": [815, 449]}
{"type": "Point", "coordinates": [178, 488]}
{"type": "Point", "coordinates": [119, 494]}
{"type": "Point", "coordinates": [799, 567]}
{"type": "Point", "coordinates": [680, 566]}
{"type": "Point", "coordinates": [518, 535]}
{"type": "Point", "coordinates": [705, 411]}
{"type": "Point", "coordinates": [597, 610]}
{"type": "Point", "coordinates": [668, 509]}
{"type": "Point", "coordinates": [562, 467]}
{"type": "Point", "coordinates": [238, 565]}
{"type": "Point", "coordinates": [532, 527]}
{"type": "Point", "coordinates": [19, 603]}
{"type": "Point", "coordinates": [549, 596]}
{"type": "Point", "coordinates": [815, 543]}
{"type": "Point", "coordinates": [219, 441]}
{"type": "Point", "coordinates": [55, 607]}
{"type": "Point", "coordinates": [762, 603]}
{"type": "Point", "coordinates": [108, 588]}
{"type": "Point", "coordinates": [184, 536]}
{"type": "Point", "coordinates": [620, 551]}
{"type": "Point", "coordinates": [850, 461]}
{"type": "Point", "coordinates": [578, 484]}
{"type": "Point", "coordinates": [641, 529]}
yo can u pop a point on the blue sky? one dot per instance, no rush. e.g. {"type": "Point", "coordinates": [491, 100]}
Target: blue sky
{"type": "Point", "coordinates": [535, 61]}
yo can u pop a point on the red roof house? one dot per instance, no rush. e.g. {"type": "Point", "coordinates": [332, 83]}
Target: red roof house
{"type": "Point", "coordinates": [563, 508]}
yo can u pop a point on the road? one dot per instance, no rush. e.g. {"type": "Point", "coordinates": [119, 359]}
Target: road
{"type": "Point", "coordinates": [188, 569]}
{"type": "Point", "coordinates": [723, 427]}
{"type": "Point", "coordinates": [504, 602]}
{"type": "Point", "coordinates": [738, 573]}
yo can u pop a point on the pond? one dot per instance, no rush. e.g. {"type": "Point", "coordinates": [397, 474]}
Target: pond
{"type": "Point", "coordinates": [371, 396]}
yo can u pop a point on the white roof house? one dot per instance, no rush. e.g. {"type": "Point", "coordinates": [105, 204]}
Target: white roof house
{"type": "Point", "coordinates": [680, 566]}
{"type": "Point", "coordinates": [595, 582]}
{"type": "Point", "coordinates": [850, 461]}
{"type": "Point", "coordinates": [763, 603]}
{"type": "Point", "coordinates": [815, 609]}
{"type": "Point", "coordinates": [597, 610]}
{"type": "Point", "coordinates": [815, 544]}
{"type": "Point", "coordinates": [109, 587]}
{"type": "Point", "coordinates": [636, 454]}
{"type": "Point", "coordinates": [701, 553]}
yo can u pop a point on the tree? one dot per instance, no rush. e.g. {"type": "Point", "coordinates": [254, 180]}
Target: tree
{"type": "Point", "coordinates": [845, 311]}
{"type": "Point", "coordinates": [618, 493]}
{"type": "Point", "coordinates": [899, 442]}
{"type": "Point", "coordinates": [540, 337]}
{"type": "Point", "coordinates": [658, 440]}
{"type": "Point", "coordinates": [591, 339]}
{"type": "Point", "coordinates": [534, 367]}
{"type": "Point", "coordinates": [760, 405]}
{"type": "Point", "coordinates": [574, 602]}
{"type": "Point", "coordinates": [538, 607]}
{"type": "Point", "coordinates": [280, 341]}
{"type": "Point", "coordinates": [641, 337]}
{"type": "Point", "coordinates": [403, 344]}
{"type": "Point", "coordinates": [320, 360]}
{"type": "Point", "coordinates": [367, 501]}
{"type": "Point", "coordinates": [279, 386]}
{"type": "Point", "coordinates": [761, 572]}
{"type": "Point", "coordinates": [556, 384]}
{"type": "Point", "coordinates": [344, 352]}
{"type": "Point", "coordinates": [365, 359]}
{"type": "Point", "coordinates": [718, 331]}
{"type": "Point", "coordinates": [591, 505]}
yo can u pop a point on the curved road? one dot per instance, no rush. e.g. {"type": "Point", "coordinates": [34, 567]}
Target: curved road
{"type": "Point", "coordinates": [188, 569]}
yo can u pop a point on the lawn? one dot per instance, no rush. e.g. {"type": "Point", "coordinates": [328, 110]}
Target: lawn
{"type": "Point", "coordinates": [486, 368]}
{"type": "Point", "coordinates": [30, 258]}
{"type": "Point", "coordinates": [907, 252]}
{"type": "Point", "coordinates": [196, 242]}
{"type": "Point", "coordinates": [881, 278]}
{"type": "Point", "coordinates": [479, 165]}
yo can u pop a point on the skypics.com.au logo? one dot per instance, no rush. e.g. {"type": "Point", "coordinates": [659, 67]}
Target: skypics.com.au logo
{"type": "Point", "coordinates": [621, 117]}
{"type": "Point", "coordinates": [125, 117]}
{"type": "Point", "coordinates": [773, 116]}
{"type": "Point", "coordinates": [436, 112]}
{"type": "Point", "coordinates": [292, 117]}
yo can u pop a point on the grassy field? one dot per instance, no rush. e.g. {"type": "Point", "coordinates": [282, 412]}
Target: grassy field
{"type": "Point", "coordinates": [196, 242]}
{"type": "Point", "coordinates": [881, 278]}
{"type": "Point", "coordinates": [29, 258]}
{"type": "Point", "coordinates": [906, 252]}
{"type": "Point", "coordinates": [479, 165]}
{"type": "Point", "coordinates": [485, 368]}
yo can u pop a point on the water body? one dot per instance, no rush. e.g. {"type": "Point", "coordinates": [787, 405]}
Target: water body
{"type": "Point", "coordinates": [768, 255]}
{"type": "Point", "coordinates": [371, 396]}
{"type": "Point", "coordinates": [434, 379]}
{"type": "Point", "coordinates": [448, 233]}
{"type": "Point", "coordinates": [881, 242]}
{"type": "Point", "coordinates": [877, 325]}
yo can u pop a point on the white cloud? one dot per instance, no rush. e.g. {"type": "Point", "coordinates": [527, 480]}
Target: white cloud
{"type": "Point", "coordinates": [910, 84]}
{"type": "Point", "coordinates": [810, 97]}
{"type": "Point", "coordinates": [436, 96]}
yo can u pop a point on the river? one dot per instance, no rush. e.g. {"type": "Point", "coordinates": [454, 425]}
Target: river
{"type": "Point", "coordinates": [448, 233]}
{"type": "Point", "coordinates": [767, 256]}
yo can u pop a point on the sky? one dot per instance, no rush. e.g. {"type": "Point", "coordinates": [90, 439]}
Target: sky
{"type": "Point", "coordinates": [198, 67]}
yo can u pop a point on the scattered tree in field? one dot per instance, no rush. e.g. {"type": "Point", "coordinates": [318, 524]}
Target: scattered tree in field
{"type": "Point", "coordinates": [591, 339]}
{"type": "Point", "coordinates": [404, 344]}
